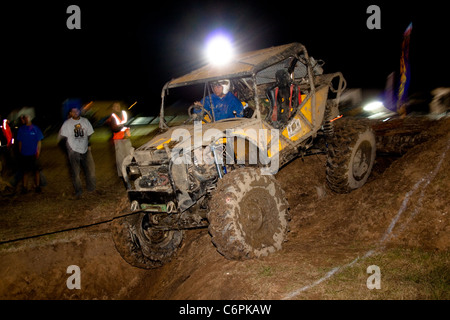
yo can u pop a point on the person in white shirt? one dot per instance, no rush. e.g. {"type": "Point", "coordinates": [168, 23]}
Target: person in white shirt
{"type": "Point", "coordinates": [77, 130]}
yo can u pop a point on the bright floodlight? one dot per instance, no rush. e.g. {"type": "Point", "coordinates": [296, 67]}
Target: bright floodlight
{"type": "Point", "coordinates": [374, 106]}
{"type": "Point", "coordinates": [219, 50]}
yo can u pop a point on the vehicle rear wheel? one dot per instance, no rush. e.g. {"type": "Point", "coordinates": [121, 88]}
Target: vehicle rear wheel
{"type": "Point", "coordinates": [248, 215]}
{"type": "Point", "coordinates": [351, 155]}
{"type": "Point", "coordinates": [141, 245]}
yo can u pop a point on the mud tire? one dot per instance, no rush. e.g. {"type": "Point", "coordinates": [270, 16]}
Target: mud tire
{"type": "Point", "coordinates": [351, 155]}
{"type": "Point", "coordinates": [140, 245]}
{"type": "Point", "coordinates": [248, 215]}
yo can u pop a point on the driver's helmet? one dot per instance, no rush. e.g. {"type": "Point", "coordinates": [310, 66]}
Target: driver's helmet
{"type": "Point", "coordinates": [226, 84]}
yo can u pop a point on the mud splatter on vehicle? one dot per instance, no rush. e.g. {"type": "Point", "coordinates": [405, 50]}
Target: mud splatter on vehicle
{"type": "Point", "coordinates": [191, 175]}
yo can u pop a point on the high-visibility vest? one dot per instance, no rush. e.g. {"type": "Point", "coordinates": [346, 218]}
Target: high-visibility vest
{"type": "Point", "coordinates": [7, 133]}
{"type": "Point", "coordinates": [125, 131]}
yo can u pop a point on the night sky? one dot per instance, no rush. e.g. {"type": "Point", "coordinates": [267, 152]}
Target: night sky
{"type": "Point", "coordinates": [127, 50]}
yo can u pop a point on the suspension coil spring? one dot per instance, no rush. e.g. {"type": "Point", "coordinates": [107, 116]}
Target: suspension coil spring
{"type": "Point", "coordinates": [328, 129]}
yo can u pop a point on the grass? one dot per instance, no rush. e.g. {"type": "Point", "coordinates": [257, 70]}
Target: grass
{"type": "Point", "coordinates": [265, 271]}
{"type": "Point", "coordinates": [406, 273]}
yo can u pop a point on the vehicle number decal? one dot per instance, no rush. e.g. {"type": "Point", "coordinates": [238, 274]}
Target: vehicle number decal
{"type": "Point", "coordinates": [294, 127]}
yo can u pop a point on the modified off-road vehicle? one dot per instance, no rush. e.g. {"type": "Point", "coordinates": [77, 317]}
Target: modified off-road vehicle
{"type": "Point", "coordinates": [219, 174]}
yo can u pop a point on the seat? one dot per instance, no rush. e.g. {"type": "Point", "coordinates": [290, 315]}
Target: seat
{"type": "Point", "coordinates": [284, 98]}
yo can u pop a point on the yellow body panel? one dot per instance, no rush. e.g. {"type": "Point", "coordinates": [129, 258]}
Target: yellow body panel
{"type": "Point", "coordinates": [299, 126]}
{"type": "Point", "coordinates": [160, 143]}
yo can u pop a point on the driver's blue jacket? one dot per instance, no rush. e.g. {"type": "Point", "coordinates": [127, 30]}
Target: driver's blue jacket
{"type": "Point", "coordinates": [222, 107]}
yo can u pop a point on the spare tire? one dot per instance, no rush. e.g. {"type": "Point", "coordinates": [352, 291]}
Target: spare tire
{"type": "Point", "coordinates": [248, 215]}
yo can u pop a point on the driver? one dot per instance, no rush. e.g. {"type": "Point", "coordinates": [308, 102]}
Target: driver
{"type": "Point", "coordinates": [224, 104]}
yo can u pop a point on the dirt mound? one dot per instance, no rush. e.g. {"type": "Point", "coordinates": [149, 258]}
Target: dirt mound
{"type": "Point", "coordinates": [402, 205]}
{"type": "Point", "coordinates": [413, 184]}
{"type": "Point", "coordinates": [399, 220]}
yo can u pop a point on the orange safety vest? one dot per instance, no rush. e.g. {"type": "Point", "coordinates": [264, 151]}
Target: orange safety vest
{"type": "Point", "coordinates": [7, 133]}
{"type": "Point", "coordinates": [125, 131]}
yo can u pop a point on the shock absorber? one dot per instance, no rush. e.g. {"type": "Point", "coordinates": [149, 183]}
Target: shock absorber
{"type": "Point", "coordinates": [328, 126]}
{"type": "Point", "coordinates": [328, 129]}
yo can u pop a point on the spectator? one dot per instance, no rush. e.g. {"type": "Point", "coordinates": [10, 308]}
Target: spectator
{"type": "Point", "coordinates": [76, 131]}
{"type": "Point", "coordinates": [121, 135]}
{"type": "Point", "coordinates": [7, 136]}
{"type": "Point", "coordinates": [29, 139]}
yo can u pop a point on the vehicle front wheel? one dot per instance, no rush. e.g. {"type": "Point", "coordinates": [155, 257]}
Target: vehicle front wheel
{"type": "Point", "coordinates": [141, 245]}
{"type": "Point", "coordinates": [248, 215]}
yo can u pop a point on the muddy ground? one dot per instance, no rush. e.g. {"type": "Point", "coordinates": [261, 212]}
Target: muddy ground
{"type": "Point", "coordinates": [399, 221]}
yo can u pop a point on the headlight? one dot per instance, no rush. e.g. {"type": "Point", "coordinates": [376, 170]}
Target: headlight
{"type": "Point", "coordinates": [134, 170]}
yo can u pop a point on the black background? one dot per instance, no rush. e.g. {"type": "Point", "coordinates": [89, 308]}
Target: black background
{"type": "Point", "coordinates": [127, 50]}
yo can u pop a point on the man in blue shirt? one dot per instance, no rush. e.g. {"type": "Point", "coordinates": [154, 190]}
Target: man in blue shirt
{"type": "Point", "coordinates": [29, 137]}
{"type": "Point", "coordinates": [222, 103]}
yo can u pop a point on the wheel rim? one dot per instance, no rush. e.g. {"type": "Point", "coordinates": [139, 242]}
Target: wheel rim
{"type": "Point", "coordinates": [258, 219]}
{"type": "Point", "coordinates": [152, 236]}
{"type": "Point", "coordinates": [146, 232]}
{"type": "Point", "coordinates": [362, 160]}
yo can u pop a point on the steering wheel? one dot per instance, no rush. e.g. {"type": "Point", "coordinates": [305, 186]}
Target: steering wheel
{"type": "Point", "coordinates": [193, 116]}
